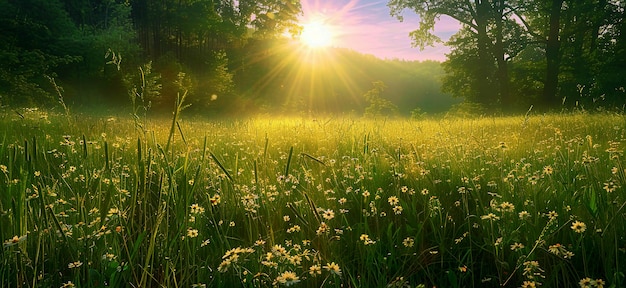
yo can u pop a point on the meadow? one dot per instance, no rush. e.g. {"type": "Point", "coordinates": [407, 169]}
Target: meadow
{"type": "Point", "coordinates": [520, 201]}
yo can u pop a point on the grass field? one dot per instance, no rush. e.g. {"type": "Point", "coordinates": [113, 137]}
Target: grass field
{"type": "Point", "coordinates": [333, 202]}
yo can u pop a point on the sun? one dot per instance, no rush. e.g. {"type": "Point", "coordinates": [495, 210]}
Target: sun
{"type": "Point", "coordinates": [316, 34]}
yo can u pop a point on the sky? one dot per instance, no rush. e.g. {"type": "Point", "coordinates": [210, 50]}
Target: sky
{"type": "Point", "coordinates": [367, 27]}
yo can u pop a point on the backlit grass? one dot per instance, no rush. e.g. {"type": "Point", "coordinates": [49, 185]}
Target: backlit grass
{"type": "Point", "coordinates": [487, 202]}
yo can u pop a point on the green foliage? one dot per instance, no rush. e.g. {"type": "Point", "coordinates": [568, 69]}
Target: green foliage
{"type": "Point", "coordinates": [144, 88]}
{"type": "Point", "coordinates": [488, 201]}
{"type": "Point", "coordinates": [378, 106]}
{"type": "Point", "coordinates": [506, 63]}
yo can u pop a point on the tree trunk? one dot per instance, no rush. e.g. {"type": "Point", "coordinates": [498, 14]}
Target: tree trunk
{"type": "Point", "coordinates": [553, 46]}
{"type": "Point", "coordinates": [486, 94]}
{"type": "Point", "coordinates": [503, 72]}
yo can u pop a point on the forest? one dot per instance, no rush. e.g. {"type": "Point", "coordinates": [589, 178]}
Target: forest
{"type": "Point", "coordinates": [231, 56]}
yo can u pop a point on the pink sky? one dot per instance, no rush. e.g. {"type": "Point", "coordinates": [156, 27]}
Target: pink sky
{"type": "Point", "coordinates": [366, 26]}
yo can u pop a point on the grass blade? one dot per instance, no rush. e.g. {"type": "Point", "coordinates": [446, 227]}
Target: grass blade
{"type": "Point", "coordinates": [221, 166]}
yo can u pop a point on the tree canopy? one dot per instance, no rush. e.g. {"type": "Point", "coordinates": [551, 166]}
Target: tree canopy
{"type": "Point", "coordinates": [512, 53]}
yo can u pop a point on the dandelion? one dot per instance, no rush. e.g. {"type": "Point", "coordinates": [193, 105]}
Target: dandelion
{"type": "Point", "coordinates": [315, 270]}
{"type": "Point", "coordinates": [288, 278]}
{"type": "Point", "coordinates": [579, 227]}
{"type": "Point", "coordinates": [333, 268]}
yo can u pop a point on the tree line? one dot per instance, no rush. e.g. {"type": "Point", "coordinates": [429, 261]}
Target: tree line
{"type": "Point", "coordinates": [515, 53]}
{"type": "Point", "coordinates": [508, 55]}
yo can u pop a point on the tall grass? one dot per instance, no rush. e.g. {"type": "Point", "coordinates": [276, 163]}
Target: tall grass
{"type": "Point", "coordinates": [486, 202]}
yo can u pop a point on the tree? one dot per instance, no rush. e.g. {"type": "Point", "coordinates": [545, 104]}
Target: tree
{"type": "Point", "coordinates": [485, 24]}
{"type": "Point", "coordinates": [34, 37]}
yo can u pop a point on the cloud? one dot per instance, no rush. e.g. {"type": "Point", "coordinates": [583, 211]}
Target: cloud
{"type": "Point", "coordinates": [367, 27]}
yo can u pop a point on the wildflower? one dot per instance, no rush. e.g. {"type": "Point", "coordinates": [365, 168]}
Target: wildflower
{"type": "Point", "coordinates": [579, 227]}
{"type": "Point", "coordinates": [196, 209]}
{"type": "Point", "coordinates": [532, 270]}
{"type": "Point", "coordinates": [490, 217]}
{"type": "Point", "coordinates": [75, 264]}
{"type": "Point", "coordinates": [507, 207]}
{"type": "Point", "coordinates": [108, 256]}
{"type": "Point", "coordinates": [279, 250]}
{"type": "Point", "coordinates": [295, 228]}
{"type": "Point", "coordinates": [333, 268]}
{"type": "Point", "coordinates": [215, 200]}
{"type": "Point", "coordinates": [547, 170]}
{"type": "Point", "coordinates": [600, 283]}
{"type": "Point", "coordinates": [552, 215]}
{"type": "Point", "coordinates": [366, 239]}
{"type": "Point", "coordinates": [329, 214]}
{"type": "Point", "coordinates": [397, 210]}
{"type": "Point", "coordinates": [192, 233]}
{"type": "Point", "coordinates": [342, 201]}
{"type": "Point", "coordinates": [68, 285]}
{"type": "Point", "coordinates": [530, 284]}
{"type": "Point", "coordinates": [523, 215]}
{"type": "Point", "coordinates": [610, 186]}
{"type": "Point", "coordinates": [366, 193]}
{"type": "Point", "coordinates": [288, 278]}
{"type": "Point", "coordinates": [425, 191]}
{"type": "Point", "coordinates": [404, 189]}
{"type": "Point", "coordinates": [315, 270]}
{"type": "Point", "coordinates": [585, 282]}
{"type": "Point", "coordinates": [286, 218]}
{"type": "Point", "coordinates": [408, 242]}
{"type": "Point", "coordinates": [393, 200]}
{"type": "Point", "coordinates": [517, 246]}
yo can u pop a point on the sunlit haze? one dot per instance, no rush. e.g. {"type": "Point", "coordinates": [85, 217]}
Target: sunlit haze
{"type": "Point", "coordinates": [367, 27]}
{"type": "Point", "coordinates": [317, 34]}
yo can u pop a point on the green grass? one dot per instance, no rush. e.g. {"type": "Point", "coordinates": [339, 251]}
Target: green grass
{"type": "Point", "coordinates": [335, 202]}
